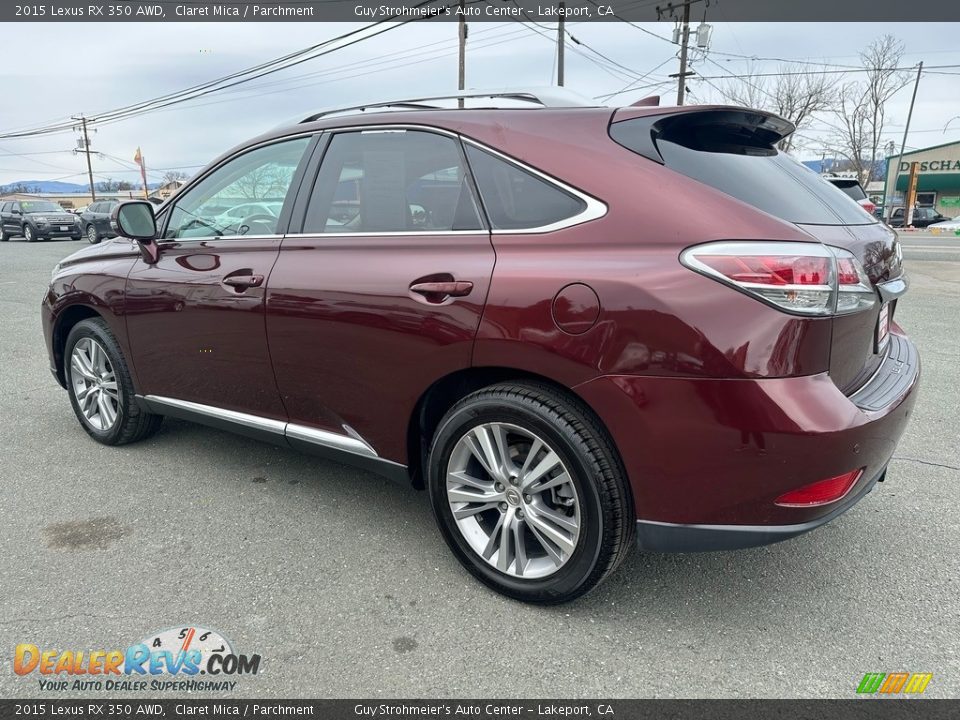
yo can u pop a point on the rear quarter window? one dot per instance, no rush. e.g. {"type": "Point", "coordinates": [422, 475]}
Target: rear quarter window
{"type": "Point", "coordinates": [516, 199]}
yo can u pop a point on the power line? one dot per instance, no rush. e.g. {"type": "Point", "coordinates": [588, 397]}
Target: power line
{"type": "Point", "coordinates": [218, 84]}
{"type": "Point", "coordinates": [634, 85]}
{"type": "Point", "coordinates": [822, 72]}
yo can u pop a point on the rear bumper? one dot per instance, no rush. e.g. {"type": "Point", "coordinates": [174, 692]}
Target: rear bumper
{"type": "Point", "coordinates": [704, 454]}
{"type": "Point", "coordinates": [671, 537]}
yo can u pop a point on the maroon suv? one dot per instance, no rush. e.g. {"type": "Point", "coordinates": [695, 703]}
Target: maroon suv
{"type": "Point", "coordinates": [577, 328]}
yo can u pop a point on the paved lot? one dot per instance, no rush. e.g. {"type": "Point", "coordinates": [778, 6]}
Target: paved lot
{"type": "Point", "coordinates": [340, 581]}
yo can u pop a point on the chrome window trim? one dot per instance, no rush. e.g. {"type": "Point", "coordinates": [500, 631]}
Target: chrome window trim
{"type": "Point", "coordinates": [208, 238]}
{"type": "Point", "coordinates": [348, 442]}
{"type": "Point", "coordinates": [395, 233]}
{"type": "Point", "coordinates": [593, 210]}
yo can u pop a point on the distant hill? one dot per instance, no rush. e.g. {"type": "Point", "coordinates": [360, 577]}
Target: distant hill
{"type": "Point", "coordinates": [56, 186]}
{"type": "Point", "coordinates": [53, 186]}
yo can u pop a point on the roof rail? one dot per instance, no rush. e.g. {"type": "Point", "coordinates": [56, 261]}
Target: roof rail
{"type": "Point", "coordinates": [548, 97]}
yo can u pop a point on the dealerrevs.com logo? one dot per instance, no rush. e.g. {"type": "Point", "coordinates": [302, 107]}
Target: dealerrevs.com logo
{"type": "Point", "coordinates": [179, 659]}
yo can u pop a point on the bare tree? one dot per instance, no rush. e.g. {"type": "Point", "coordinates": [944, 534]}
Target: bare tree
{"type": "Point", "coordinates": [174, 176]}
{"type": "Point", "coordinates": [794, 94]}
{"type": "Point", "coordinates": [268, 182]}
{"type": "Point", "coordinates": [111, 185]}
{"type": "Point", "coordinates": [862, 105]}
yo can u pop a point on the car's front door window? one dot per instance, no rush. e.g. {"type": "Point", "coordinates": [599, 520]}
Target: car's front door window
{"type": "Point", "coordinates": [243, 197]}
{"type": "Point", "coordinates": [393, 181]}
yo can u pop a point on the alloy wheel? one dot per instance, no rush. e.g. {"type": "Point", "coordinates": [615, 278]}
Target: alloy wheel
{"type": "Point", "coordinates": [94, 384]}
{"type": "Point", "coordinates": [92, 235]}
{"type": "Point", "coordinates": [513, 500]}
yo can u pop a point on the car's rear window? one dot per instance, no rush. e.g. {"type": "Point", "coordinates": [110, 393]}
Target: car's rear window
{"type": "Point", "coordinates": [759, 175]}
{"type": "Point", "coordinates": [850, 187]}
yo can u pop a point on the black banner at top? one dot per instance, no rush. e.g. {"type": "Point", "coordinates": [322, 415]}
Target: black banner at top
{"type": "Point", "coordinates": [478, 11]}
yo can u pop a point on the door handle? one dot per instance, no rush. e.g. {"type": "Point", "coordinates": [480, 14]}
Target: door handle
{"type": "Point", "coordinates": [241, 282]}
{"type": "Point", "coordinates": [440, 291]}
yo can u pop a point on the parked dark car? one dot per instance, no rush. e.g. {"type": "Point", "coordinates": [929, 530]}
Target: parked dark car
{"type": "Point", "coordinates": [95, 221]}
{"type": "Point", "coordinates": [922, 217]}
{"type": "Point", "coordinates": [853, 189]}
{"type": "Point", "coordinates": [577, 328]}
{"type": "Point", "coordinates": [36, 220]}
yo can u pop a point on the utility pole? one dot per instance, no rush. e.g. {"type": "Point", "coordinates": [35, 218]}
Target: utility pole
{"type": "Point", "coordinates": [888, 206]}
{"type": "Point", "coordinates": [462, 71]}
{"type": "Point", "coordinates": [684, 39]}
{"type": "Point", "coordinates": [86, 149]}
{"type": "Point", "coordinates": [561, 42]}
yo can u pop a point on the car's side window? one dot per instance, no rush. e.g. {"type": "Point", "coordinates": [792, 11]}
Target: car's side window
{"type": "Point", "coordinates": [392, 181]}
{"type": "Point", "coordinates": [516, 199]}
{"type": "Point", "coordinates": [5, 207]}
{"type": "Point", "coordinates": [243, 196]}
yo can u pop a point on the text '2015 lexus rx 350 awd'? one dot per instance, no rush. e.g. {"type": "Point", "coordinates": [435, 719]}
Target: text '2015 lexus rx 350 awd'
{"type": "Point", "coordinates": [577, 328]}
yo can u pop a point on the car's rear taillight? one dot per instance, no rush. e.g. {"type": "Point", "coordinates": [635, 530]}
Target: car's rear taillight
{"type": "Point", "coordinates": [803, 278]}
{"type": "Point", "coordinates": [867, 205]}
{"type": "Point", "coordinates": [822, 492]}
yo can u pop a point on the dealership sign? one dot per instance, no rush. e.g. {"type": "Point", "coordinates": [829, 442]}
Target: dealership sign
{"type": "Point", "coordinates": [933, 166]}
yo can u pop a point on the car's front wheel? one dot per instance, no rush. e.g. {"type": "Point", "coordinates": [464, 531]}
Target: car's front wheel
{"type": "Point", "coordinates": [28, 233]}
{"type": "Point", "coordinates": [529, 493]}
{"type": "Point", "coordinates": [100, 387]}
{"type": "Point", "coordinates": [93, 237]}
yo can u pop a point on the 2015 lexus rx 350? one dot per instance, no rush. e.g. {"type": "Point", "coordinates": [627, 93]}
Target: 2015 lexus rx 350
{"type": "Point", "coordinates": [577, 328]}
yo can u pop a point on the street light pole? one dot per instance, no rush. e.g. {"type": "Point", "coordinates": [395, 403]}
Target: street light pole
{"type": "Point", "coordinates": [462, 70]}
{"type": "Point", "coordinates": [684, 39]}
{"type": "Point", "coordinates": [86, 149]}
{"type": "Point", "coordinates": [888, 209]}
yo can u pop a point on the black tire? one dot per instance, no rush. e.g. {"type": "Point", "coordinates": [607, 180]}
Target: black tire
{"type": "Point", "coordinates": [29, 234]}
{"type": "Point", "coordinates": [3, 234]}
{"type": "Point", "coordinates": [606, 509]}
{"type": "Point", "coordinates": [93, 236]}
{"type": "Point", "coordinates": [132, 423]}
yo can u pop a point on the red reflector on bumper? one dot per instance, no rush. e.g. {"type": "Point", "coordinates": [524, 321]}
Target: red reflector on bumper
{"type": "Point", "coordinates": [822, 492]}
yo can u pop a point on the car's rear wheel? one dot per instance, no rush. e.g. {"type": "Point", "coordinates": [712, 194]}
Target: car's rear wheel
{"type": "Point", "coordinates": [529, 493]}
{"type": "Point", "coordinates": [101, 390]}
{"type": "Point", "coordinates": [28, 234]}
{"type": "Point", "coordinates": [93, 237]}
{"type": "Point", "coordinates": [3, 234]}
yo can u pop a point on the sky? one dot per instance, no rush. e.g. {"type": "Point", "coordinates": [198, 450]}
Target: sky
{"type": "Point", "coordinates": [89, 68]}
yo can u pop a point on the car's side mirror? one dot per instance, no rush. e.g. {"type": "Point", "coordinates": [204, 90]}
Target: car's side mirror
{"type": "Point", "coordinates": [134, 219]}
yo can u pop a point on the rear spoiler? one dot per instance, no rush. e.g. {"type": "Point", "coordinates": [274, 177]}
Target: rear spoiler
{"type": "Point", "coordinates": [708, 128]}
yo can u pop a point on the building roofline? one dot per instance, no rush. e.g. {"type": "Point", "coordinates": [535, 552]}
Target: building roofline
{"type": "Point", "coordinates": [932, 147]}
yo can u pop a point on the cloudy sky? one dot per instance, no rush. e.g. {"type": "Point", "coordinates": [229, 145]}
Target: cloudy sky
{"type": "Point", "coordinates": [53, 71]}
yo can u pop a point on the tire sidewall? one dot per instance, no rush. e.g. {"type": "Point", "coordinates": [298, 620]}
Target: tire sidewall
{"type": "Point", "coordinates": [95, 235]}
{"type": "Point", "coordinates": [29, 234]}
{"type": "Point", "coordinates": [579, 568]}
{"type": "Point", "coordinates": [88, 329]}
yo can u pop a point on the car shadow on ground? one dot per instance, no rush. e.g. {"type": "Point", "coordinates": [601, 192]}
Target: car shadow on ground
{"type": "Point", "coordinates": [740, 582]}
